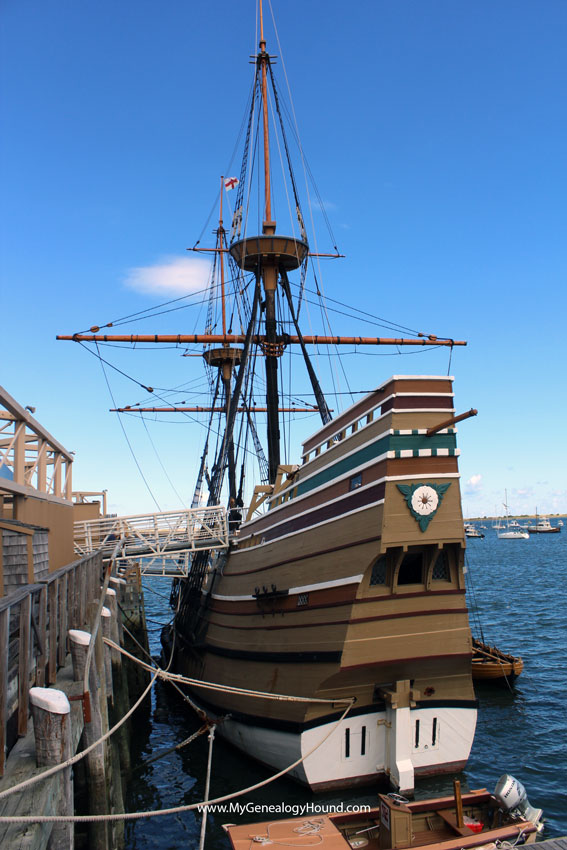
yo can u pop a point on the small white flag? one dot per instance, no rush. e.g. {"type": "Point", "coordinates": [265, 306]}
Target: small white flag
{"type": "Point", "coordinates": [230, 183]}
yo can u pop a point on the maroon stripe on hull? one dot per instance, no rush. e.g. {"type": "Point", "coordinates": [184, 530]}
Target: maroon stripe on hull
{"type": "Point", "coordinates": [415, 595]}
{"type": "Point", "coordinates": [355, 500]}
{"type": "Point", "coordinates": [333, 490]}
{"type": "Point", "coordinates": [348, 622]}
{"type": "Point", "coordinates": [400, 385]}
{"type": "Point", "coordinates": [372, 778]}
{"type": "Point", "coordinates": [418, 402]}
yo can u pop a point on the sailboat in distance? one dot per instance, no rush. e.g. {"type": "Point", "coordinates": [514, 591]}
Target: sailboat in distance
{"type": "Point", "coordinates": [511, 532]}
{"type": "Point", "coordinates": [332, 634]}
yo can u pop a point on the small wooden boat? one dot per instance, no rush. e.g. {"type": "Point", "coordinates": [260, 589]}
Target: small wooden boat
{"type": "Point", "coordinates": [491, 664]}
{"type": "Point", "coordinates": [462, 822]}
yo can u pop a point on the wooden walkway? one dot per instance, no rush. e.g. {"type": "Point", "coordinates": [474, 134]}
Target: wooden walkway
{"type": "Point", "coordinates": [553, 844]}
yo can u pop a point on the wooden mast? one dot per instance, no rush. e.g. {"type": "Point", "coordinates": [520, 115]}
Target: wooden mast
{"type": "Point", "coordinates": [269, 273]}
{"type": "Point", "coordinates": [225, 358]}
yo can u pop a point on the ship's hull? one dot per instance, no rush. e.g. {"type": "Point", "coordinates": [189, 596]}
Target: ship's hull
{"type": "Point", "coordinates": [334, 764]}
{"type": "Point", "coordinates": [342, 592]}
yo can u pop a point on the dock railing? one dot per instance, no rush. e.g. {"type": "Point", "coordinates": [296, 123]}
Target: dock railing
{"type": "Point", "coordinates": [34, 622]}
{"type": "Point", "coordinates": [155, 535]}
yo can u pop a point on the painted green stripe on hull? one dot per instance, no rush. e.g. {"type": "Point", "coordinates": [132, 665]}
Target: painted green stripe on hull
{"type": "Point", "coordinates": [397, 443]}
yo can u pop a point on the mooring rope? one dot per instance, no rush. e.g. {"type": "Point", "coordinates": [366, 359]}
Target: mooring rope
{"type": "Point", "coordinates": [78, 756]}
{"type": "Point", "coordinates": [176, 809]}
{"type": "Point", "coordinates": [214, 686]}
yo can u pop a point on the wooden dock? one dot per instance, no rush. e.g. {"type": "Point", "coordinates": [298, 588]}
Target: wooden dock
{"type": "Point", "coordinates": [44, 637]}
{"type": "Point", "coordinates": [552, 843]}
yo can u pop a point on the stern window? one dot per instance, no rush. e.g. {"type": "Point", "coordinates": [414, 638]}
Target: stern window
{"type": "Point", "coordinates": [441, 571]}
{"type": "Point", "coordinates": [379, 571]}
{"type": "Point", "coordinates": [411, 569]}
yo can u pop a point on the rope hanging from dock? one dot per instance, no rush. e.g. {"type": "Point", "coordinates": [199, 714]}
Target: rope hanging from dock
{"type": "Point", "coordinates": [172, 811]}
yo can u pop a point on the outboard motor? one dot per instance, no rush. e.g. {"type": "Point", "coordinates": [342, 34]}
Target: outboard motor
{"type": "Point", "coordinates": [511, 796]}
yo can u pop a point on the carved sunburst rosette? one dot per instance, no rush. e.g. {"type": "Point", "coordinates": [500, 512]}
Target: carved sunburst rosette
{"type": "Point", "coordinates": [423, 500]}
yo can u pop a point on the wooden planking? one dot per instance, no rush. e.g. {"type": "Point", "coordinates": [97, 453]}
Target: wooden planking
{"type": "Point", "coordinates": [41, 662]}
{"type": "Point", "coordinates": [24, 658]}
{"type": "Point", "coordinates": [4, 629]}
{"type": "Point", "coordinates": [53, 594]}
{"type": "Point", "coordinates": [62, 621]}
{"type": "Point", "coordinates": [33, 639]}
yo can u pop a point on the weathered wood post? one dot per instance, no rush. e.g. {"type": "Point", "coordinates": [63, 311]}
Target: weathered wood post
{"type": "Point", "coordinates": [105, 621]}
{"type": "Point", "coordinates": [119, 680]}
{"type": "Point", "coordinates": [52, 729]}
{"type": "Point", "coordinates": [118, 750]}
{"type": "Point", "coordinates": [93, 730]}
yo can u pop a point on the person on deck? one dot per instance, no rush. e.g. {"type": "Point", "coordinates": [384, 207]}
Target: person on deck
{"type": "Point", "coordinates": [234, 515]}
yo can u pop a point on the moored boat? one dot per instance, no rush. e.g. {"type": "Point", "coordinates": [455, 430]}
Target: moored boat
{"type": "Point", "coordinates": [543, 526]}
{"type": "Point", "coordinates": [470, 820]}
{"type": "Point", "coordinates": [512, 531]}
{"type": "Point", "coordinates": [490, 664]}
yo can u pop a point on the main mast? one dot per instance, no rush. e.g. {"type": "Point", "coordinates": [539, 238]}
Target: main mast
{"type": "Point", "coordinates": [270, 256]}
{"type": "Point", "coordinates": [269, 273]}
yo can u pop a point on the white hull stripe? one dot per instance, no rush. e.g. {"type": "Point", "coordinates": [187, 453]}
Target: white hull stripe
{"type": "Point", "coordinates": [306, 588]}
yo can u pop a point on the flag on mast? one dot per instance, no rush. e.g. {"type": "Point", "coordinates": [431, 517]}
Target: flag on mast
{"type": "Point", "coordinates": [230, 183]}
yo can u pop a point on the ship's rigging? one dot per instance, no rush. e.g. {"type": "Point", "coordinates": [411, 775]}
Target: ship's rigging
{"type": "Point", "coordinates": [252, 314]}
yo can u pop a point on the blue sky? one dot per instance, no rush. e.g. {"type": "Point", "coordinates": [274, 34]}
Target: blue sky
{"type": "Point", "coordinates": [437, 132]}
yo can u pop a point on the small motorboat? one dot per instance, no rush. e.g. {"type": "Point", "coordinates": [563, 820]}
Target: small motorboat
{"type": "Point", "coordinates": [472, 531]}
{"type": "Point", "coordinates": [490, 664]}
{"type": "Point", "coordinates": [461, 822]}
{"type": "Point", "coordinates": [543, 526]}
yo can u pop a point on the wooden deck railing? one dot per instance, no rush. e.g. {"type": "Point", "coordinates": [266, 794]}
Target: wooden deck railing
{"type": "Point", "coordinates": [34, 622]}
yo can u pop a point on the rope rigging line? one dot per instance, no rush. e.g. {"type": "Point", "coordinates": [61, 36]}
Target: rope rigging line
{"type": "Point", "coordinates": [293, 124]}
{"type": "Point", "coordinates": [144, 479]}
{"type": "Point", "coordinates": [165, 472]}
{"type": "Point", "coordinates": [227, 169]}
{"type": "Point", "coordinates": [385, 323]}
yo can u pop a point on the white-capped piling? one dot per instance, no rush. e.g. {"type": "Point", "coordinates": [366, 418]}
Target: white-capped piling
{"type": "Point", "coordinates": [51, 714]}
{"type": "Point", "coordinates": [105, 621]}
{"type": "Point", "coordinates": [120, 700]}
{"type": "Point", "coordinates": [95, 760]}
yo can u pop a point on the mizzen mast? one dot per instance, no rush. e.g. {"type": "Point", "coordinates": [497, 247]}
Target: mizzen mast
{"type": "Point", "coordinates": [225, 358]}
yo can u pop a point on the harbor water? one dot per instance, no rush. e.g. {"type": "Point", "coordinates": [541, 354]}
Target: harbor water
{"type": "Point", "coordinates": [517, 598]}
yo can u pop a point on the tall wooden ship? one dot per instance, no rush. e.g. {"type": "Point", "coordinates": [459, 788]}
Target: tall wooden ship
{"type": "Point", "coordinates": [343, 584]}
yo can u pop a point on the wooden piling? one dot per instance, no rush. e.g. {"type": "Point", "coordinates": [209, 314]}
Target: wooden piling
{"type": "Point", "coordinates": [51, 713]}
{"type": "Point", "coordinates": [105, 622]}
{"type": "Point", "coordinates": [93, 731]}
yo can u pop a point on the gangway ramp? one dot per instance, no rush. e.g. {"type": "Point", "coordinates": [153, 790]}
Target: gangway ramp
{"type": "Point", "coordinates": [163, 542]}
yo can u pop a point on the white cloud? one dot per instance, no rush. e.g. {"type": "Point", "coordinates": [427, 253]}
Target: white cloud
{"type": "Point", "coordinates": [326, 206]}
{"type": "Point", "coordinates": [172, 276]}
{"type": "Point", "coordinates": [474, 481]}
